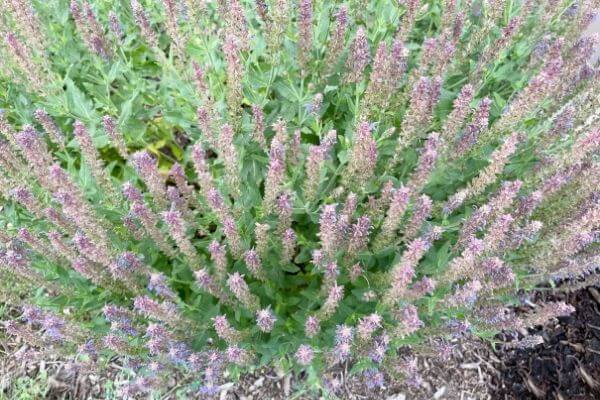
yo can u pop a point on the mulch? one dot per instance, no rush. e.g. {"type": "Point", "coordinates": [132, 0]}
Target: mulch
{"type": "Point", "coordinates": [566, 365]}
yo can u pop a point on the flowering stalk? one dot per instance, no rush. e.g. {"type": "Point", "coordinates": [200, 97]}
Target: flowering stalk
{"type": "Point", "coordinates": [172, 26]}
{"type": "Point", "coordinates": [233, 237]}
{"type": "Point", "coordinates": [421, 212]}
{"type": "Point", "coordinates": [92, 250]}
{"type": "Point", "coordinates": [230, 159]}
{"type": "Point", "coordinates": [32, 71]}
{"type": "Point", "coordinates": [403, 272]}
{"type": "Point", "coordinates": [114, 24]}
{"type": "Point", "coordinates": [359, 236]}
{"type": "Point", "coordinates": [91, 32]}
{"type": "Point", "coordinates": [424, 96]}
{"type": "Point", "coordinates": [275, 173]}
{"type": "Point", "coordinates": [305, 15]}
{"type": "Point", "coordinates": [408, 19]}
{"type": "Point", "coordinates": [149, 221]}
{"type": "Point", "coordinates": [50, 127]}
{"type": "Point", "coordinates": [177, 228]}
{"type": "Point", "coordinates": [329, 230]}
{"type": "Point", "coordinates": [496, 205]}
{"type": "Point", "coordinates": [362, 158]}
{"type": "Point", "coordinates": [265, 320]}
{"type": "Point", "coordinates": [488, 175]}
{"type": "Point", "coordinates": [304, 355]}
{"type": "Point", "coordinates": [146, 167]}
{"type": "Point", "coordinates": [165, 312]}
{"type": "Point", "coordinates": [288, 244]}
{"type": "Point", "coordinates": [314, 162]}
{"type": "Point", "coordinates": [254, 264]}
{"type": "Point", "coordinates": [225, 331]}
{"type": "Point", "coordinates": [258, 119]}
{"type": "Point", "coordinates": [398, 204]}
{"type": "Point", "coordinates": [207, 283]}
{"type": "Point", "coordinates": [92, 157]}
{"type": "Point", "coordinates": [460, 109]}
{"type": "Point", "coordinates": [117, 137]}
{"type": "Point", "coordinates": [477, 125]}
{"type": "Point", "coordinates": [358, 58]}
{"type": "Point", "coordinates": [141, 19]}
{"type": "Point", "coordinates": [235, 74]}
{"type": "Point", "coordinates": [427, 162]}
{"type": "Point", "coordinates": [337, 39]}
{"type": "Point", "coordinates": [218, 254]}
{"type": "Point", "coordinates": [240, 289]}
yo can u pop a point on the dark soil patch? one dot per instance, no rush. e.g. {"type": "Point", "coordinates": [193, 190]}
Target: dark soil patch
{"type": "Point", "coordinates": [566, 365]}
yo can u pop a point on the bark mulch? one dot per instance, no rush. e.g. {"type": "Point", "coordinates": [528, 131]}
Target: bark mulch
{"type": "Point", "coordinates": [566, 365]}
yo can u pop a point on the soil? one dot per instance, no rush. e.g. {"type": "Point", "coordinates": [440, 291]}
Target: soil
{"type": "Point", "coordinates": [566, 365]}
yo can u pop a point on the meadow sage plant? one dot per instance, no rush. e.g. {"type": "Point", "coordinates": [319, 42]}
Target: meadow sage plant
{"type": "Point", "coordinates": [209, 186]}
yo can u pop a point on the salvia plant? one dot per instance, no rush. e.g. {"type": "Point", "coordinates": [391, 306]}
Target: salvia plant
{"type": "Point", "coordinates": [207, 187]}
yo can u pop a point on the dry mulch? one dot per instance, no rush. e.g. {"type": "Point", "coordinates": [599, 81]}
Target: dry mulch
{"type": "Point", "coordinates": [566, 365]}
{"type": "Point", "coordinates": [462, 376]}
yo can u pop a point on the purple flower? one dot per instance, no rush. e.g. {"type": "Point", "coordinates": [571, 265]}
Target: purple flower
{"type": "Point", "coordinates": [344, 334]}
{"type": "Point", "coordinates": [158, 284]}
{"type": "Point", "coordinates": [359, 56]}
{"type": "Point", "coordinates": [304, 355]}
{"type": "Point", "coordinates": [373, 378]}
{"type": "Point", "coordinates": [265, 320]}
{"type": "Point", "coordinates": [362, 158]}
{"type": "Point", "coordinates": [305, 15]}
{"type": "Point", "coordinates": [368, 325]}
{"type": "Point", "coordinates": [312, 326]}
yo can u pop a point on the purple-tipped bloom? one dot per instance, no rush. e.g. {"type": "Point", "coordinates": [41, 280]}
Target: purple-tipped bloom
{"type": "Point", "coordinates": [338, 37]}
{"type": "Point", "coordinates": [305, 15]}
{"type": "Point", "coordinates": [141, 18]}
{"type": "Point", "coordinates": [288, 245]}
{"type": "Point", "coordinates": [368, 325]}
{"type": "Point", "coordinates": [304, 355]}
{"type": "Point", "coordinates": [359, 56]}
{"type": "Point", "coordinates": [110, 127]}
{"type": "Point", "coordinates": [329, 232]}
{"type": "Point", "coordinates": [115, 25]}
{"type": "Point", "coordinates": [466, 295]}
{"type": "Point", "coordinates": [359, 235]}
{"type": "Point", "coordinates": [421, 212]}
{"type": "Point", "coordinates": [254, 264]}
{"type": "Point", "coordinates": [409, 318]}
{"type": "Point", "coordinates": [177, 228]}
{"type": "Point", "coordinates": [265, 320]}
{"type": "Point", "coordinates": [240, 289]}
{"type": "Point", "coordinates": [158, 284]}
{"type": "Point", "coordinates": [218, 254]}
{"type": "Point", "coordinates": [312, 326]}
{"type": "Point", "coordinates": [224, 330]}
{"type": "Point", "coordinates": [233, 237]}
{"type": "Point", "coordinates": [166, 312]}
{"type": "Point", "coordinates": [32, 315]}
{"type": "Point", "coordinates": [34, 148]}
{"type": "Point", "coordinates": [50, 127]}
{"type": "Point", "coordinates": [362, 158]}
{"type": "Point", "coordinates": [146, 167]}
{"type": "Point", "coordinates": [344, 334]}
